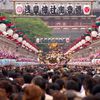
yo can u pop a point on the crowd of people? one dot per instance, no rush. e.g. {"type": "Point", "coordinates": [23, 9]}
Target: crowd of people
{"type": "Point", "coordinates": [41, 82]}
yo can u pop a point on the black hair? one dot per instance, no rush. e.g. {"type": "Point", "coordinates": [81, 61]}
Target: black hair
{"type": "Point", "coordinates": [72, 85]}
{"type": "Point", "coordinates": [55, 77]}
{"type": "Point", "coordinates": [96, 89]}
{"type": "Point", "coordinates": [40, 82]}
{"type": "Point", "coordinates": [27, 78]}
{"type": "Point", "coordinates": [60, 83]}
{"type": "Point", "coordinates": [89, 83]}
{"type": "Point", "coordinates": [54, 86]}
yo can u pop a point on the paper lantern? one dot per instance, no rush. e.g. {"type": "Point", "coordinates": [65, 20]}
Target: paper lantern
{"type": "Point", "coordinates": [93, 62]}
{"type": "Point", "coordinates": [99, 29]}
{"type": "Point", "coordinates": [87, 38]}
{"type": "Point", "coordinates": [98, 34]}
{"type": "Point", "coordinates": [34, 49]}
{"type": "Point", "coordinates": [94, 34]}
{"type": "Point", "coordinates": [77, 45]}
{"type": "Point", "coordinates": [37, 40]}
{"type": "Point", "coordinates": [72, 49]}
{"type": "Point", "coordinates": [30, 46]}
{"type": "Point", "coordinates": [24, 42]}
{"type": "Point", "coordinates": [5, 33]}
{"type": "Point", "coordinates": [10, 32]}
{"type": "Point", "coordinates": [23, 46]}
{"type": "Point", "coordinates": [3, 27]}
{"type": "Point", "coordinates": [27, 44]}
{"type": "Point", "coordinates": [80, 43]}
{"type": "Point", "coordinates": [20, 39]}
{"type": "Point", "coordinates": [15, 36]}
{"type": "Point", "coordinates": [83, 41]}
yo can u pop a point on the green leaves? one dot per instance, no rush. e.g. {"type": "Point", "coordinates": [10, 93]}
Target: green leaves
{"type": "Point", "coordinates": [33, 27]}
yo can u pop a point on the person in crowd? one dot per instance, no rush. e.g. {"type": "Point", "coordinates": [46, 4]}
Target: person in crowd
{"type": "Point", "coordinates": [7, 86]}
{"type": "Point", "coordinates": [3, 95]}
{"type": "Point", "coordinates": [38, 80]}
{"type": "Point", "coordinates": [61, 84]}
{"type": "Point", "coordinates": [32, 92]}
{"type": "Point", "coordinates": [78, 83]}
{"type": "Point", "coordinates": [88, 84]}
{"type": "Point", "coordinates": [59, 96]}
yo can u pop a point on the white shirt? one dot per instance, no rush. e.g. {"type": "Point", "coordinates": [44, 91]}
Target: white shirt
{"type": "Point", "coordinates": [48, 97]}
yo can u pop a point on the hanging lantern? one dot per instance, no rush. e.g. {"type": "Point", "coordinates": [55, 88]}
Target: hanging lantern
{"type": "Point", "coordinates": [27, 44]}
{"type": "Point", "coordinates": [24, 42]}
{"type": "Point", "coordinates": [30, 46]}
{"type": "Point", "coordinates": [37, 40]}
{"type": "Point", "coordinates": [34, 49]}
{"type": "Point", "coordinates": [80, 43]}
{"type": "Point", "coordinates": [72, 49]}
{"type": "Point", "coordinates": [99, 34]}
{"type": "Point", "coordinates": [87, 38]}
{"type": "Point", "coordinates": [5, 33]}
{"type": "Point", "coordinates": [10, 32]}
{"type": "Point", "coordinates": [3, 27]}
{"type": "Point", "coordinates": [83, 41]}
{"type": "Point", "coordinates": [75, 47]}
{"type": "Point", "coordinates": [20, 39]}
{"type": "Point", "coordinates": [99, 29]}
{"type": "Point", "coordinates": [23, 46]}
{"type": "Point", "coordinates": [94, 34]}
{"type": "Point", "coordinates": [15, 36]}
